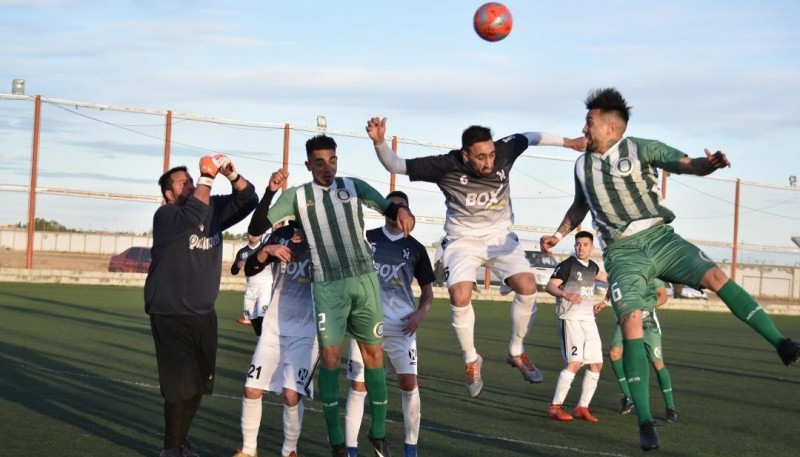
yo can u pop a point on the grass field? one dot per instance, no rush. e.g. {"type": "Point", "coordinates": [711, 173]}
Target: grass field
{"type": "Point", "coordinates": [78, 378]}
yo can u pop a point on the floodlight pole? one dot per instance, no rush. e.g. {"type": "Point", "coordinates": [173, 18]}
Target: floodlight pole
{"type": "Point", "coordinates": [37, 116]}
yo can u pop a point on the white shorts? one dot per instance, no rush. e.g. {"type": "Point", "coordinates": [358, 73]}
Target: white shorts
{"type": "Point", "coordinates": [580, 341]}
{"type": "Point", "coordinates": [401, 353]}
{"type": "Point", "coordinates": [503, 254]}
{"type": "Point", "coordinates": [256, 300]}
{"type": "Point", "coordinates": [283, 362]}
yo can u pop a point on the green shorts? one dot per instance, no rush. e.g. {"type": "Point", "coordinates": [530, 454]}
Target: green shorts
{"type": "Point", "coordinates": [658, 252]}
{"type": "Point", "coordinates": [349, 305]}
{"type": "Point", "coordinates": [652, 340]}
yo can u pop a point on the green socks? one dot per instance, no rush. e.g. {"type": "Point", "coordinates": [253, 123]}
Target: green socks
{"type": "Point", "coordinates": [619, 372]}
{"type": "Point", "coordinates": [637, 372]}
{"type": "Point", "coordinates": [665, 383]}
{"type": "Point", "coordinates": [328, 383]}
{"type": "Point", "coordinates": [743, 306]}
{"type": "Point", "coordinates": [375, 379]}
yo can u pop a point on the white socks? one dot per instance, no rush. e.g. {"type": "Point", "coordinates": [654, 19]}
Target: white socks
{"type": "Point", "coordinates": [354, 413]}
{"type": "Point", "coordinates": [562, 386]}
{"type": "Point", "coordinates": [251, 421]}
{"type": "Point", "coordinates": [463, 322]}
{"type": "Point", "coordinates": [412, 413]}
{"type": "Point", "coordinates": [590, 379]}
{"type": "Point", "coordinates": [292, 423]}
{"type": "Point", "coordinates": [523, 313]}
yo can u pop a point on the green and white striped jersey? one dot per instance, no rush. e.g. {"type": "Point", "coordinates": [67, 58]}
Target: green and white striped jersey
{"type": "Point", "coordinates": [621, 186]}
{"type": "Point", "coordinates": [333, 222]}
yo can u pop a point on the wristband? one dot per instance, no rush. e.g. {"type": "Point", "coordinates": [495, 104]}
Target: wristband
{"type": "Point", "coordinates": [558, 235]}
{"type": "Point", "coordinates": [205, 181]}
{"type": "Point", "coordinates": [234, 176]}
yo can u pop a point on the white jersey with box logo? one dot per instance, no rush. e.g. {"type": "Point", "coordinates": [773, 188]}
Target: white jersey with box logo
{"type": "Point", "coordinates": [398, 261]}
{"type": "Point", "coordinates": [477, 206]}
{"type": "Point", "coordinates": [578, 277]}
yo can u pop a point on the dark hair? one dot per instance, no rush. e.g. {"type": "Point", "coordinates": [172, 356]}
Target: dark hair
{"type": "Point", "coordinates": [474, 134]}
{"type": "Point", "coordinates": [318, 143]}
{"type": "Point", "coordinates": [609, 100]}
{"type": "Point", "coordinates": [584, 234]}
{"type": "Point", "coordinates": [397, 193]}
{"type": "Point", "coordinates": [165, 181]}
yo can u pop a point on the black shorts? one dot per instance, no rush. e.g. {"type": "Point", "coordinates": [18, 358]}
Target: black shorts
{"type": "Point", "coordinates": [186, 352]}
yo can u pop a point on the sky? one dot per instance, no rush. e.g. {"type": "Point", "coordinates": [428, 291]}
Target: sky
{"type": "Point", "coordinates": [712, 74]}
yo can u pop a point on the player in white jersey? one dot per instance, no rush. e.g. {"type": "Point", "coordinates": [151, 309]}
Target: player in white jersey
{"type": "Point", "coordinates": [475, 182]}
{"type": "Point", "coordinates": [398, 261]}
{"type": "Point", "coordinates": [258, 287]}
{"type": "Point", "coordinates": [285, 358]}
{"type": "Point", "coordinates": [572, 284]}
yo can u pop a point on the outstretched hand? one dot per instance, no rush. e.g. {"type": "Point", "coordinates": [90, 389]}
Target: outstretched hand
{"type": "Point", "coordinates": [376, 130]}
{"type": "Point", "coordinates": [717, 160]}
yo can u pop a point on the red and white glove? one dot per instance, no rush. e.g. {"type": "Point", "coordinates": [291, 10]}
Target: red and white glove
{"type": "Point", "coordinates": [226, 167]}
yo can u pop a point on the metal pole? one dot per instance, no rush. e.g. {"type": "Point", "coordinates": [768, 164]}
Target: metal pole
{"type": "Point", "coordinates": [735, 253]}
{"type": "Point", "coordinates": [167, 140]}
{"type": "Point", "coordinates": [37, 117]}
{"type": "Point", "coordinates": [392, 176]}
{"type": "Point", "coordinates": [286, 130]}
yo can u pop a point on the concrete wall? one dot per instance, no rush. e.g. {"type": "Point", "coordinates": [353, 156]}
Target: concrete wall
{"type": "Point", "coordinates": [90, 243]}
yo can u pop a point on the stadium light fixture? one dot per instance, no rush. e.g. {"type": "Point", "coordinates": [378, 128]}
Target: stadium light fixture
{"type": "Point", "coordinates": [18, 87]}
{"type": "Point", "coordinates": [793, 181]}
{"type": "Point", "coordinates": [322, 123]}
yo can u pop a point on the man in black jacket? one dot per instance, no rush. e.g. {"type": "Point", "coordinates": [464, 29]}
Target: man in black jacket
{"type": "Point", "coordinates": [182, 285]}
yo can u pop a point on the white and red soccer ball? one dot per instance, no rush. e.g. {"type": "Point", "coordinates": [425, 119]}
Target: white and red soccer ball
{"type": "Point", "coordinates": [492, 21]}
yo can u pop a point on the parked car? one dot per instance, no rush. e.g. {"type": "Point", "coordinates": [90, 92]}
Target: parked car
{"type": "Point", "coordinates": [543, 267]}
{"type": "Point", "coordinates": [132, 260]}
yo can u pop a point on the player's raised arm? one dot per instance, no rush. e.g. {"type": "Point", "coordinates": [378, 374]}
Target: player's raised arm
{"type": "Point", "coordinates": [702, 166]}
{"type": "Point", "coordinates": [547, 139]}
{"type": "Point", "coordinates": [574, 216]}
{"type": "Point", "coordinates": [376, 130]}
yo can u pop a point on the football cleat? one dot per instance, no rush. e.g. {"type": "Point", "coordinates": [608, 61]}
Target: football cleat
{"type": "Point", "coordinates": [529, 371]}
{"type": "Point", "coordinates": [558, 413]}
{"type": "Point", "coordinates": [380, 446]}
{"type": "Point", "coordinates": [789, 351]}
{"type": "Point", "coordinates": [648, 438]}
{"type": "Point", "coordinates": [352, 452]}
{"type": "Point", "coordinates": [338, 450]}
{"type": "Point", "coordinates": [582, 412]}
{"type": "Point", "coordinates": [239, 453]}
{"type": "Point", "coordinates": [410, 450]}
{"type": "Point", "coordinates": [187, 450]}
{"type": "Point", "coordinates": [672, 415]}
{"type": "Point", "coordinates": [625, 405]}
{"type": "Point", "coordinates": [474, 380]}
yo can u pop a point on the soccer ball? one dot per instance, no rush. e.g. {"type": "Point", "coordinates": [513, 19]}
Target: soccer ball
{"type": "Point", "coordinates": [492, 21]}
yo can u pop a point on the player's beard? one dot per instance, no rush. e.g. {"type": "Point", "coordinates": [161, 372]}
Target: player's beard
{"type": "Point", "coordinates": [591, 146]}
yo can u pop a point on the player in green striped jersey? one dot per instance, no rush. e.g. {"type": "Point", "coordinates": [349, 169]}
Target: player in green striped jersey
{"type": "Point", "coordinates": [344, 281]}
{"type": "Point", "coordinates": [616, 179]}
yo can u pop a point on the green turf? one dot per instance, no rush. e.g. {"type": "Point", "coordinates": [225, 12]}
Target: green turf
{"type": "Point", "coordinates": [78, 378]}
